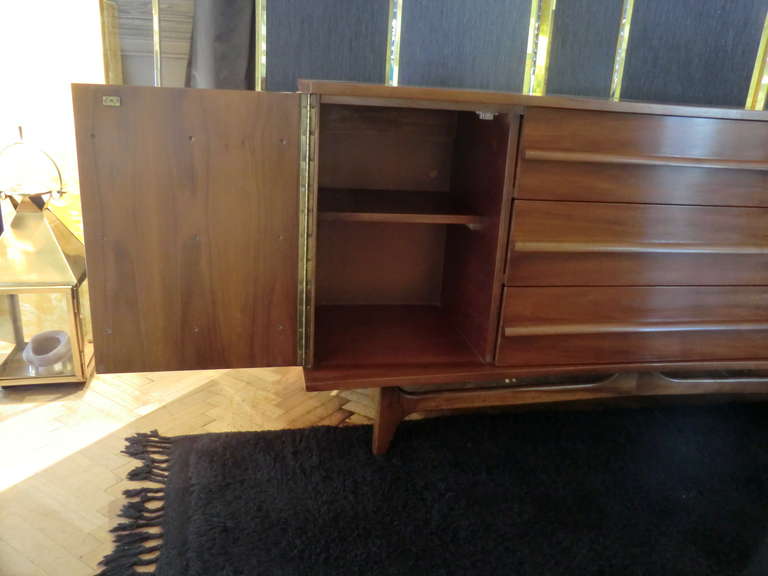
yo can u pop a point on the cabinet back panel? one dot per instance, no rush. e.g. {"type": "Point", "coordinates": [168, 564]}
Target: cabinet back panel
{"type": "Point", "coordinates": [385, 148]}
{"type": "Point", "coordinates": [379, 263]}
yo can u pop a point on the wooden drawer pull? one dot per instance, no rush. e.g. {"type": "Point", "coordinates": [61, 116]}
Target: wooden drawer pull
{"type": "Point", "coordinates": [638, 247]}
{"type": "Point", "coordinates": [601, 158]}
{"type": "Point", "coordinates": [606, 328]}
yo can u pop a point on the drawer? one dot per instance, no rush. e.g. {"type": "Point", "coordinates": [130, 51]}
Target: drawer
{"type": "Point", "coordinates": [586, 243]}
{"type": "Point", "coordinates": [610, 227]}
{"type": "Point", "coordinates": [635, 269]}
{"type": "Point", "coordinates": [614, 157]}
{"type": "Point", "coordinates": [703, 141]}
{"type": "Point", "coordinates": [614, 325]}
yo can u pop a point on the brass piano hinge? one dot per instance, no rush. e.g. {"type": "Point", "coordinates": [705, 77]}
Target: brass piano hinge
{"type": "Point", "coordinates": [306, 228]}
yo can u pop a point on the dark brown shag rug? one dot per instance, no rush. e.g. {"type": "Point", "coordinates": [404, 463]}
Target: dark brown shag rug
{"type": "Point", "coordinates": [666, 490]}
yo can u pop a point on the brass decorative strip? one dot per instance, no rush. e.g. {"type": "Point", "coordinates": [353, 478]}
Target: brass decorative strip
{"type": "Point", "coordinates": [539, 43]}
{"type": "Point", "coordinates": [546, 29]}
{"type": "Point", "coordinates": [260, 45]}
{"type": "Point", "coordinates": [530, 50]}
{"type": "Point", "coordinates": [311, 251]}
{"type": "Point", "coordinates": [156, 47]}
{"type": "Point", "coordinates": [301, 289]}
{"type": "Point", "coordinates": [758, 87]}
{"type": "Point", "coordinates": [393, 41]}
{"type": "Point", "coordinates": [622, 42]}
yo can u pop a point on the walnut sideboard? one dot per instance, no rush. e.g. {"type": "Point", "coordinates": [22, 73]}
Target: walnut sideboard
{"type": "Point", "coordinates": [503, 247]}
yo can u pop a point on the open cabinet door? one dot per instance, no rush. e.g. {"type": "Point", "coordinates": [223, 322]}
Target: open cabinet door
{"type": "Point", "coordinates": [191, 212]}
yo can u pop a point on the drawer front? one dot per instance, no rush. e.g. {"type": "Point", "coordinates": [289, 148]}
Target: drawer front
{"type": "Point", "coordinates": [603, 182]}
{"type": "Point", "coordinates": [672, 138]}
{"type": "Point", "coordinates": [605, 227]}
{"type": "Point", "coordinates": [613, 157]}
{"type": "Point", "coordinates": [635, 269]}
{"type": "Point", "coordinates": [586, 243]}
{"type": "Point", "coordinates": [617, 325]}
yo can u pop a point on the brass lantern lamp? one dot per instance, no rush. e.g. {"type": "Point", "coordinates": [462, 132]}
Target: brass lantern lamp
{"type": "Point", "coordinates": [45, 334]}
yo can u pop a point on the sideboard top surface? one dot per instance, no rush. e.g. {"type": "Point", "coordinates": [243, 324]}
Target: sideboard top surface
{"type": "Point", "coordinates": [346, 92]}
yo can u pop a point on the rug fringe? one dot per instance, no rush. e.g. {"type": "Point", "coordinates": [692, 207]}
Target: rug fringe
{"type": "Point", "coordinates": [133, 542]}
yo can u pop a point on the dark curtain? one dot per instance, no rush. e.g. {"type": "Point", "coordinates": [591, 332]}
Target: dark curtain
{"type": "Point", "coordinates": [326, 40]}
{"type": "Point", "coordinates": [583, 47]}
{"type": "Point", "coordinates": [680, 51]}
{"type": "Point", "coordinates": [222, 48]}
{"type": "Point", "coordinates": [455, 43]}
{"type": "Point", "coordinates": [693, 51]}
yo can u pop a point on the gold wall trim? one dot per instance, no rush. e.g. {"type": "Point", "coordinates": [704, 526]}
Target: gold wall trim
{"type": "Point", "coordinates": [622, 41]}
{"type": "Point", "coordinates": [393, 41]}
{"type": "Point", "coordinates": [540, 32]}
{"type": "Point", "coordinates": [313, 137]}
{"type": "Point", "coordinates": [530, 50]}
{"type": "Point", "coordinates": [260, 45]}
{"type": "Point", "coordinates": [110, 38]}
{"type": "Point", "coordinates": [758, 87]}
{"type": "Point", "coordinates": [301, 292]}
{"type": "Point", "coordinates": [157, 52]}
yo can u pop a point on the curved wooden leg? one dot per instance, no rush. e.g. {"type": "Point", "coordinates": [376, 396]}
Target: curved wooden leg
{"type": "Point", "coordinates": [389, 413]}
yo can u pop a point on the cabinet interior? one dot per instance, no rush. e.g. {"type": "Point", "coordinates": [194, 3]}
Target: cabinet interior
{"type": "Point", "coordinates": [409, 210]}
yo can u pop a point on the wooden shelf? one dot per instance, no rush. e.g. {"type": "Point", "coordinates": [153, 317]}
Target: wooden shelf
{"type": "Point", "coordinates": [407, 207]}
{"type": "Point", "coordinates": [365, 336]}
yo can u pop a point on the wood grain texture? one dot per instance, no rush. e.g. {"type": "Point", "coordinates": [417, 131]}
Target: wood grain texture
{"type": "Point", "coordinates": [379, 263]}
{"type": "Point", "coordinates": [611, 227]}
{"type": "Point", "coordinates": [407, 207]}
{"type": "Point", "coordinates": [595, 182]}
{"type": "Point", "coordinates": [601, 325]}
{"type": "Point", "coordinates": [483, 172]}
{"type": "Point", "coordinates": [502, 101]}
{"type": "Point", "coordinates": [358, 336]}
{"type": "Point", "coordinates": [620, 386]}
{"type": "Point", "coordinates": [638, 269]}
{"type": "Point", "coordinates": [488, 375]}
{"type": "Point", "coordinates": [190, 204]}
{"type": "Point", "coordinates": [580, 131]}
{"type": "Point", "coordinates": [388, 417]}
{"type": "Point", "coordinates": [385, 148]}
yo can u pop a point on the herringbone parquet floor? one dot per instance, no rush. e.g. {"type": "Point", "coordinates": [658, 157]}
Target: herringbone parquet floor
{"type": "Point", "coordinates": [61, 471]}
